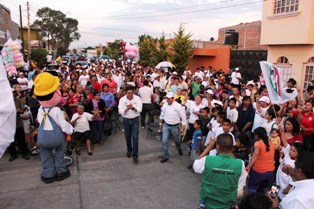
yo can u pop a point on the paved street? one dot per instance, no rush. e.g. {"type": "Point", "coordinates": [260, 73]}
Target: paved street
{"type": "Point", "coordinates": [105, 180]}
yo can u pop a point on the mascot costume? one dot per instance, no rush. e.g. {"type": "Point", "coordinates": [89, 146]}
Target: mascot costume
{"type": "Point", "coordinates": [53, 128]}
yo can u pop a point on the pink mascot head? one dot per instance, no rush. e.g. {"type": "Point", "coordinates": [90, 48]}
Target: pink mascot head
{"type": "Point", "coordinates": [47, 90]}
{"type": "Point", "coordinates": [131, 51]}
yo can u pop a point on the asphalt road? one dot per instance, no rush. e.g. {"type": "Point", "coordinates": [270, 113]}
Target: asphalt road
{"type": "Point", "coordinates": [108, 180]}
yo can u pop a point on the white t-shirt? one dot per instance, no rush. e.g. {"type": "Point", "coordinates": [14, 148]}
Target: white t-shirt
{"type": "Point", "coordinates": [83, 79]}
{"type": "Point", "coordinates": [283, 179]}
{"type": "Point", "coordinates": [232, 115]}
{"type": "Point", "coordinates": [146, 94]}
{"type": "Point", "coordinates": [82, 124]}
{"type": "Point", "coordinates": [270, 125]}
{"type": "Point", "coordinates": [23, 80]}
{"type": "Point", "coordinates": [194, 108]}
{"type": "Point", "coordinates": [259, 119]}
{"type": "Point", "coordinates": [235, 78]}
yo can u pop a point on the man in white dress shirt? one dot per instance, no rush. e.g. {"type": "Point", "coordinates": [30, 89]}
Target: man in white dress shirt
{"type": "Point", "coordinates": [146, 94]}
{"type": "Point", "coordinates": [130, 107]}
{"type": "Point", "coordinates": [303, 175]}
{"type": "Point", "coordinates": [172, 114]}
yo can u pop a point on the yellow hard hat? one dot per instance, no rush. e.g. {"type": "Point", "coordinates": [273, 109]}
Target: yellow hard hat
{"type": "Point", "coordinates": [45, 84]}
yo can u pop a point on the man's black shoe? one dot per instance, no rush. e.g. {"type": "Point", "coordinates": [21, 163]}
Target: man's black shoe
{"type": "Point", "coordinates": [180, 152]}
{"type": "Point", "coordinates": [190, 166]}
{"type": "Point", "coordinates": [48, 180]}
{"type": "Point", "coordinates": [128, 154]}
{"type": "Point", "coordinates": [26, 157]}
{"type": "Point", "coordinates": [62, 176]}
{"type": "Point", "coordinates": [12, 158]}
{"type": "Point", "coordinates": [135, 160]}
{"type": "Point", "coordinates": [163, 160]}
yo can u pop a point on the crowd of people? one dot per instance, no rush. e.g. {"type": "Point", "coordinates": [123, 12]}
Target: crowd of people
{"type": "Point", "coordinates": [232, 128]}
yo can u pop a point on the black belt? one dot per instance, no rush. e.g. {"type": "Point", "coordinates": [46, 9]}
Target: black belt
{"type": "Point", "coordinates": [172, 124]}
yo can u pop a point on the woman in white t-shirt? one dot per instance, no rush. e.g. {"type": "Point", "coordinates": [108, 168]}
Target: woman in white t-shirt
{"type": "Point", "coordinates": [195, 111]}
{"type": "Point", "coordinates": [80, 122]}
{"type": "Point", "coordinates": [270, 122]}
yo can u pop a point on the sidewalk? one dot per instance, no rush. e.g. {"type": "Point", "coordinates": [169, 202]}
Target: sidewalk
{"type": "Point", "coordinates": [108, 180]}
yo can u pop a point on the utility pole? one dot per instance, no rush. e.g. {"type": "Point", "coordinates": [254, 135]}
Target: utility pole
{"type": "Point", "coordinates": [21, 29]}
{"type": "Point", "coordinates": [29, 32]}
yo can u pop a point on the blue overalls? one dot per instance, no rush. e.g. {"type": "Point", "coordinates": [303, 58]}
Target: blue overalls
{"type": "Point", "coordinates": [51, 144]}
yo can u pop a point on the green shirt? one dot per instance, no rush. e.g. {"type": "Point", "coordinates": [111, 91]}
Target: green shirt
{"type": "Point", "coordinates": [220, 181]}
{"type": "Point", "coordinates": [195, 88]}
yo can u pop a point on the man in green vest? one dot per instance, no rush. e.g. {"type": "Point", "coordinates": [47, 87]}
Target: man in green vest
{"type": "Point", "coordinates": [224, 176]}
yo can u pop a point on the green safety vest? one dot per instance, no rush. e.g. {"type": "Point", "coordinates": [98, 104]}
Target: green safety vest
{"type": "Point", "coordinates": [220, 181]}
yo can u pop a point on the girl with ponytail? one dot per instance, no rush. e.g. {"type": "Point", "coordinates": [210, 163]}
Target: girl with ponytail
{"type": "Point", "coordinates": [261, 166]}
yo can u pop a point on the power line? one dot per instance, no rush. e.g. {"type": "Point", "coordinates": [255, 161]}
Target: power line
{"type": "Point", "coordinates": [179, 13]}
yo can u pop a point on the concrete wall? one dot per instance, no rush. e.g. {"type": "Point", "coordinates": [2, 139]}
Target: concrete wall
{"type": "Point", "coordinates": [297, 55]}
{"type": "Point", "coordinates": [288, 28]}
{"type": "Point", "coordinates": [217, 58]}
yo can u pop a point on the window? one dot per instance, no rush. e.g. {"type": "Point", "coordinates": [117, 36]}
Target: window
{"type": "Point", "coordinates": [285, 6]}
{"type": "Point", "coordinates": [309, 72]}
{"type": "Point", "coordinates": [286, 68]}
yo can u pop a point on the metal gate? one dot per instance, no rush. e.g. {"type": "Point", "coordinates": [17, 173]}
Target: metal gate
{"type": "Point", "coordinates": [248, 61]}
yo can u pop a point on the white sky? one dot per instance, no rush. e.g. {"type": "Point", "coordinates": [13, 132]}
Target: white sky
{"type": "Point", "coordinates": [102, 21]}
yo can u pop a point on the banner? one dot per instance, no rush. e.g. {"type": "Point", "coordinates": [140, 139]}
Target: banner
{"type": "Point", "coordinates": [274, 83]}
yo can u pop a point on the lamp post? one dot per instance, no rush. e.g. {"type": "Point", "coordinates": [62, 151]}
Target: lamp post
{"type": "Point", "coordinates": [122, 50]}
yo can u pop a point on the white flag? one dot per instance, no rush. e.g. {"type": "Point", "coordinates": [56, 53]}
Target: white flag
{"type": "Point", "coordinates": [274, 83]}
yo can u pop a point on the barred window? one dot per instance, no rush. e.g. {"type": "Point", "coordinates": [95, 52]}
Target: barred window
{"type": "Point", "coordinates": [286, 69]}
{"type": "Point", "coordinates": [285, 6]}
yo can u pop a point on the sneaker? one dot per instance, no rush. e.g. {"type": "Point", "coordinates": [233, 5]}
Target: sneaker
{"type": "Point", "coordinates": [12, 158]}
{"type": "Point", "coordinates": [143, 127]}
{"type": "Point", "coordinates": [47, 180]}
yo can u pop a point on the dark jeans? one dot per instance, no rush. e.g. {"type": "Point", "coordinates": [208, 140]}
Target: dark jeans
{"type": "Point", "coordinates": [307, 142]}
{"type": "Point", "coordinates": [97, 127]}
{"type": "Point", "coordinates": [258, 182]}
{"type": "Point", "coordinates": [131, 131]}
{"type": "Point", "coordinates": [147, 108]}
{"type": "Point", "coordinates": [19, 139]}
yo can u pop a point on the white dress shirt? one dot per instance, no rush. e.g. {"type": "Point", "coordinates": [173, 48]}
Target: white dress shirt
{"type": "Point", "coordinates": [58, 116]}
{"type": "Point", "coordinates": [173, 114]}
{"type": "Point", "coordinates": [301, 197]}
{"type": "Point", "coordinates": [146, 93]}
{"type": "Point", "coordinates": [137, 104]}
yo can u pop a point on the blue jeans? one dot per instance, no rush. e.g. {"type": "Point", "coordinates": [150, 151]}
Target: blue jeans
{"type": "Point", "coordinates": [259, 181]}
{"type": "Point", "coordinates": [174, 131]}
{"type": "Point", "coordinates": [131, 130]}
{"type": "Point", "coordinates": [98, 130]}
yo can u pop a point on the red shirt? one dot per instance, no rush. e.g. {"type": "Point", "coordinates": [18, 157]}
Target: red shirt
{"type": "Point", "coordinates": [75, 98]}
{"type": "Point", "coordinates": [297, 138]}
{"type": "Point", "coordinates": [112, 85]}
{"type": "Point", "coordinates": [307, 120]}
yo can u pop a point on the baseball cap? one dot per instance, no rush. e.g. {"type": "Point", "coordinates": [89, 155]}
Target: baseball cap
{"type": "Point", "coordinates": [264, 99]}
{"type": "Point", "coordinates": [170, 95]}
{"type": "Point", "coordinates": [210, 91]}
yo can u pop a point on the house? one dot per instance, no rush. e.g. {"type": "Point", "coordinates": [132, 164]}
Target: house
{"type": "Point", "coordinates": [8, 28]}
{"type": "Point", "coordinates": [288, 31]}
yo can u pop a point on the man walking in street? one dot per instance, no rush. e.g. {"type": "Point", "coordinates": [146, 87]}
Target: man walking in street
{"type": "Point", "coordinates": [172, 114]}
{"type": "Point", "coordinates": [145, 94]}
{"type": "Point", "coordinates": [130, 107]}
{"type": "Point", "coordinates": [224, 176]}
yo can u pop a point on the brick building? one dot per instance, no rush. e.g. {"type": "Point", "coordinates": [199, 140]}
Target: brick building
{"type": "Point", "coordinates": [8, 28]}
{"type": "Point", "coordinates": [248, 36]}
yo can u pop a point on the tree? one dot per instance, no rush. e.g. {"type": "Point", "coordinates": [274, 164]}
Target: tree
{"type": "Point", "coordinates": [147, 49]}
{"type": "Point", "coordinates": [161, 53]}
{"type": "Point", "coordinates": [38, 55]}
{"type": "Point", "coordinates": [59, 30]}
{"type": "Point", "coordinates": [182, 47]}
